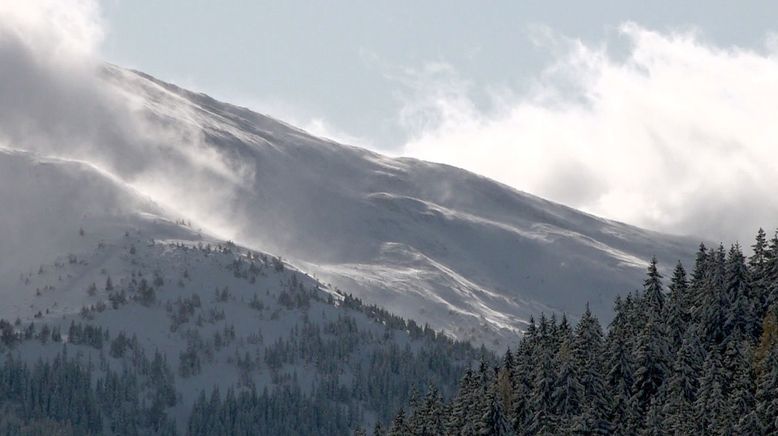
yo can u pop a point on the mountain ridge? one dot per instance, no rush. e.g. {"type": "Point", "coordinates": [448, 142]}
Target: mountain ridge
{"type": "Point", "coordinates": [471, 256]}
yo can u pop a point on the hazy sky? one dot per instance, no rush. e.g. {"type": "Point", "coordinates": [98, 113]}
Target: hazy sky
{"type": "Point", "coordinates": [349, 68]}
{"type": "Point", "coordinates": [660, 114]}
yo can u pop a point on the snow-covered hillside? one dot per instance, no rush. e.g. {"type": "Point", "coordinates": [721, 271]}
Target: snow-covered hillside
{"type": "Point", "coordinates": [426, 241]}
{"type": "Point", "coordinates": [128, 289]}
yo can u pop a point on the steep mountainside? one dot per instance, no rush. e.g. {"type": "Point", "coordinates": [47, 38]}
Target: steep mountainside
{"type": "Point", "coordinates": [158, 314]}
{"type": "Point", "coordinates": [426, 241]}
{"type": "Point", "coordinates": [148, 262]}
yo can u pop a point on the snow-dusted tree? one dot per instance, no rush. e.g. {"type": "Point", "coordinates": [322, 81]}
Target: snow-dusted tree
{"type": "Point", "coordinates": [681, 388]}
{"type": "Point", "coordinates": [711, 301]}
{"type": "Point", "coordinates": [741, 400]}
{"type": "Point", "coordinates": [758, 267]}
{"type": "Point", "coordinates": [678, 306]}
{"type": "Point", "coordinates": [619, 367]}
{"type": "Point", "coordinates": [710, 405]}
{"type": "Point", "coordinates": [739, 303]}
{"type": "Point", "coordinates": [770, 296]}
{"type": "Point", "coordinates": [653, 291]}
{"type": "Point", "coordinates": [766, 362]}
{"type": "Point", "coordinates": [399, 426]}
{"type": "Point", "coordinates": [493, 420]}
{"type": "Point", "coordinates": [458, 418]}
{"type": "Point", "coordinates": [541, 419]}
{"type": "Point", "coordinates": [522, 379]}
{"type": "Point", "coordinates": [588, 349]}
{"type": "Point", "coordinates": [651, 364]}
{"type": "Point", "coordinates": [567, 397]}
{"type": "Point", "coordinates": [654, 424]}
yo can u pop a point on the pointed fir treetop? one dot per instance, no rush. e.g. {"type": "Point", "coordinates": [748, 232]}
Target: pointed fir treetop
{"type": "Point", "coordinates": [771, 274]}
{"type": "Point", "coordinates": [588, 340]}
{"type": "Point", "coordinates": [678, 283]}
{"type": "Point", "coordinates": [543, 324]}
{"type": "Point", "coordinates": [652, 287]}
{"type": "Point", "coordinates": [678, 309]}
{"type": "Point", "coordinates": [531, 328]}
{"type": "Point", "coordinates": [759, 249]}
{"type": "Point", "coordinates": [718, 262]}
{"type": "Point", "coordinates": [564, 325]}
{"type": "Point", "coordinates": [739, 313]}
{"type": "Point", "coordinates": [700, 263]}
{"type": "Point", "coordinates": [398, 427]}
{"type": "Point", "coordinates": [568, 392]}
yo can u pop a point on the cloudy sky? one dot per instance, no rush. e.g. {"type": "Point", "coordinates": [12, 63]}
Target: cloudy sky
{"type": "Point", "coordinates": [659, 114]}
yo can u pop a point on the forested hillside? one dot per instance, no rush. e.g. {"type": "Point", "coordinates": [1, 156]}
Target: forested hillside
{"type": "Point", "coordinates": [269, 350]}
{"type": "Point", "coordinates": [698, 356]}
{"type": "Point", "coordinates": [150, 337]}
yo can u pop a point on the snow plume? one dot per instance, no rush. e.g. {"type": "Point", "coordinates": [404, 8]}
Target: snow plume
{"type": "Point", "coordinates": [672, 133]}
{"type": "Point", "coordinates": [58, 99]}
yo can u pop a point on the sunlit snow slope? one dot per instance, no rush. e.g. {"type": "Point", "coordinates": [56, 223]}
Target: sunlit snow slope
{"type": "Point", "coordinates": [426, 241]}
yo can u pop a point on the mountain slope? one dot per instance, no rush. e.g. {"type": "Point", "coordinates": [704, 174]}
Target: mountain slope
{"type": "Point", "coordinates": [426, 241]}
{"type": "Point", "coordinates": [155, 313]}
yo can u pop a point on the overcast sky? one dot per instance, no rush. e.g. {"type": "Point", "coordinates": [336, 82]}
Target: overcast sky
{"type": "Point", "coordinates": [660, 113]}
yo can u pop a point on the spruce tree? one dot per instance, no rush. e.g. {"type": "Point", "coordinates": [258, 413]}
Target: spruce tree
{"type": "Point", "coordinates": [568, 394]}
{"type": "Point", "coordinates": [399, 427]}
{"type": "Point", "coordinates": [766, 362]}
{"type": "Point", "coordinates": [741, 396]}
{"type": "Point", "coordinates": [588, 349]}
{"type": "Point", "coordinates": [738, 301]}
{"type": "Point", "coordinates": [506, 384]}
{"type": "Point", "coordinates": [758, 265]}
{"type": "Point", "coordinates": [677, 310]}
{"type": "Point", "coordinates": [541, 419]}
{"type": "Point", "coordinates": [710, 406]}
{"type": "Point", "coordinates": [458, 418]}
{"type": "Point", "coordinates": [770, 295]}
{"type": "Point", "coordinates": [493, 420]}
{"type": "Point", "coordinates": [758, 258]}
{"type": "Point", "coordinates": [619, 367]}
{"type": "Point", "coordinates": [682, 386]}
{"type": "Point", "coordinates": [653, 292]}
{"type": "Point", "coordinates": [700, 263]}
{"type": "Point", "coordinates": [653, 425]}
{"type": "Point", "coordinates": [651, 364]}
{"type": "Point", "coordinates": [522, 377]}
{"type": "Point", "coordinates": [712, 302]}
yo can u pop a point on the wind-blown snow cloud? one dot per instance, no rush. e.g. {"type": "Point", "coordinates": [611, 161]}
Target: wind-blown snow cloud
{"type": "Point", "coordinates": [676, 134]}
{"type": "Point", "coordinates": [58, 99]}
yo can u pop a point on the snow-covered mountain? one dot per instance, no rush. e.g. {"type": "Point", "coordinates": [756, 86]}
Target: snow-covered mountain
{"type": "Point", "coordinates": [426, 241]}
{"type": "Point", "coordinates": [157, 312]}
{"type": "Point", "coordinates": [181, 246]}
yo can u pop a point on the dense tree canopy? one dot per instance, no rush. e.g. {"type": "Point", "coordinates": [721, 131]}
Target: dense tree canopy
{"type": "Point", "coordinates": [700, 357]}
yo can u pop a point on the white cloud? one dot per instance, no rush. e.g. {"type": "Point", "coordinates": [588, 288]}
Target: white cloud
{"type": "Point", "coordinates": [64, 28]}
{"type": "Point", "coordinates": [678, 135]}
{"type": "Point", "coordinates": [58, 100]}
{"type": "Point", "coordinates": [675, 134]}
